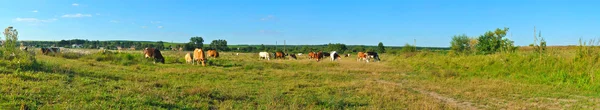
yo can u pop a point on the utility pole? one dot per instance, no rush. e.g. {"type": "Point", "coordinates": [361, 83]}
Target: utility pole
{"type": "Point", "coordinates": [415, 44]}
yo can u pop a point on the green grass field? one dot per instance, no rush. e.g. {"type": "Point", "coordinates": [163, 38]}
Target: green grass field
{"type": "Point", "coordinates": [422, 80]}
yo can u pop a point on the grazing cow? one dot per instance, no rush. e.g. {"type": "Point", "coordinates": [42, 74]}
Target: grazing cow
{"type": "Point", "coordinates": [335, 56]}
{"type": "Point", "coordinates": [154, 53]}
{"type": "Point", "coordinates": [199, 57]}
{"type": "Point", "coordinates": [188, 58]}
{"type": "Point", "coordinates": [311, 55]}
{"type": "Point", "coordinates": [373, 55]}
{"type": "Point", "coordinates": [325, 54]}
{"type": "Point", "coordinates": [319, 55]}
{"type": "Point", "coordinates": [347, 55]}
{"type": "Point", "coordinates": [299, 54]}
{"type": "Point", "coordinates": [279, 55]}
{"type": "Point", "coordinates": [293, 56]}
{"type": "Point", "coordinates": [213, 53]}
{"type": "Point", "coordinates": [264, 55]}
{"type": "Point", "coordinates": [45, 51]}
{"type": "Point", "coordinates": [362, 56]}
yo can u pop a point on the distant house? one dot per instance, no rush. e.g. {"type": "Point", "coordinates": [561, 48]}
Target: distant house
{"type": "Point", "coordinates": [77, 46]}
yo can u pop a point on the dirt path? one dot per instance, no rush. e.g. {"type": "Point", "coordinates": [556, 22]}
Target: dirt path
{"type": "Point", "coordinates": [461, 105]}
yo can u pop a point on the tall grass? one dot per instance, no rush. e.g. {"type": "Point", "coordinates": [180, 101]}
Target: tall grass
{"type": "Point", "coordinates": [557, 67]}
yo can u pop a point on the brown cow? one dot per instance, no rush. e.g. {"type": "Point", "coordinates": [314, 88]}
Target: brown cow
{"type": "Point", "coordinates": [362, 56]}
{"type": "Point", "coordinates": [318, 56]}
{"type": "Point", "coordinates": [279, 55]}
{"type": "Point", "coordinates": [213, 53]}
{"type": "Point", "coordinates": [188, 58]}
{"type": "Point", "coordinates": [199, 56]}
{"type": "Point", "coordinates": [311, 55]}
{"type": "Point", "coordinates": [154, 53]}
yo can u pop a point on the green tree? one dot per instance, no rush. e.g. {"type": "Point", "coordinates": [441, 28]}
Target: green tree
{"type": "Point", "coordinates": [381, 48]}
{"type": "Point", "coordinates": [340, 48]}
{"type": "Point", "coordinates": [197, 42]}
{"type": "Point", "coordinates": [11, 35]}
{"type": "Point", "coordinates": [305, 49]}
{"type": "Point", "coordinates": [219, 45]}
{"type": "Point", "coordinates": [160, 45]}
{"type": "Point", "coordinates": [494, 41]}
{"type": "Point", "coordinates": [262, 47]}
{"type": "Point", "coordinates": [460, 44]}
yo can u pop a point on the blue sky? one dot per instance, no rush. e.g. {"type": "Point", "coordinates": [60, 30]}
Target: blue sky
{"type": "Point", "coordinates": [354, 22]}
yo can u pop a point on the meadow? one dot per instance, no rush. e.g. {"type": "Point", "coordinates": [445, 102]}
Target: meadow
{"type": "Point", "coordinates": [559, 79]}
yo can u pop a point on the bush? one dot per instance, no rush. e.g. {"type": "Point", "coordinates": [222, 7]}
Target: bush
{"type": "Point", "coordinates": [409, 48]}
{"type": "Point", "coordinates": [13, 58]}
{"type": "Point", "coordinates": [494, 41]}
{"type": "Point", "coordinates": [460, 44]}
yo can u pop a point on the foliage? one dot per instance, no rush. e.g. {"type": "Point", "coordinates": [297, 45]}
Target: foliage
{"type": "Point", "coordinates": [408, 48]}
{"type": "Point", "coordinates": [11, 56]}
{"type": "Point", "coordinates": [262, 47]}
{"type": "Point", "coordinates": [340, 48]}
{"type": "Point", "coordinates": [460, 44]}
{"type": "Point", "coordinates": [11, 35]}
{"type": "Point", "coordinates": [588, 51]}
{"type": "Point", "coordinates": [196, 42]}
{"type": "Point", "coordinates": [219, 44]}
{"type": "Point", "coordinates": [495, 41]}
{"type": "Point", "coordinates": [160, 45]}
{"type": "Point", "coordinates": [138, 45]}
{"type": "Point", "coordinates": [380, 48]}
{"type": "Point", "coordinates": [541, 47]}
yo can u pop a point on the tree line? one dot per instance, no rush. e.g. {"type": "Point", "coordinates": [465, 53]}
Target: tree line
{"type": "Point", "coordinates": [219, 44]}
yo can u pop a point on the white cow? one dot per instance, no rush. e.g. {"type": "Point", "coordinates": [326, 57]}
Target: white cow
{"type": "Point", "coordinates": [334, 56]}
{"type": "Point", "coordinates": [264, 55]}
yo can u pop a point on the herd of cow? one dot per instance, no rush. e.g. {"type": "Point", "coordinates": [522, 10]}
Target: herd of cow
{"type": "Point", "coordinates": [198, 56]}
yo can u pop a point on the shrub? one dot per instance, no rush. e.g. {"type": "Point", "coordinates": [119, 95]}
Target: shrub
{"type": "Point", "coordinates": [409, 48]}
{"type": "Point", "coordinates": [494, 41]}
{"type": "Point", "coordinates": [14, 58]}
{"type": "Point", "coordinates": [460, 44]}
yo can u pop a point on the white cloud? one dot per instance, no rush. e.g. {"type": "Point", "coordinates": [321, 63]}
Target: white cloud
{"type": "Point", "coordinates": [155, 22]}
{"type": "Point", "coordinates": [268, 18]}
{"type": "Point", "coordinates": [159, 27]}
{"type": "Point", "coordinates": [113, 21]}
{"type": "Point", "coordinates": [75, 4]}
{"type": "Point", "coordinates": [34, 20]}
{"type": "Point", "coordinates": [35, 11]}
{"type": "Point", "coordinates": [78, 15]}
{"type": "Point", "coordinates": [144, 27]}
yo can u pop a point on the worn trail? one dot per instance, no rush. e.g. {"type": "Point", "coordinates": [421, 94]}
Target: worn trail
{"type": "Point", "coordinates": [463, 105]}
